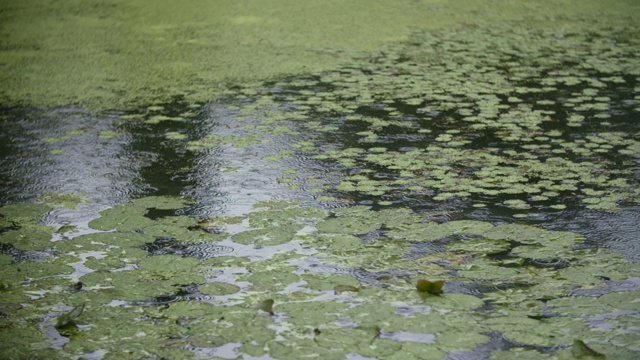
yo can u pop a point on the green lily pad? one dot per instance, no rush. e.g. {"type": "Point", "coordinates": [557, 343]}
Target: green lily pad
{"type": "Point", "coordinates": [135, 285]}
{"type": "Point", "coordinates": [168, 264]}
{"type": "Point", "coordinates": [431, 287]}
{"type": "Point", "coordinates": [162, 202]}
{"type": "Point", "coordinates": [67, 200]}
{"type": "Point", "coordinates": [268, 236]}
{"type": "Point", "coordinates": [122, 218]}
{"type": "Point", "coordinates": [29, 237]}
{"type": "Point", "coordinates": [108, 263]}
{"type": "Point", "coordinates": [581, 350]}
{"type": "Point", "coordinates": [546, 332]}
{"type": "Point", "coordinates": [69, 317]}
{"type": "Point", "coordinates": [266, 306]}
{"type": "Point", "coordinates": [347, 225]}
{"type": "Point", "coordinates": [218, 288]}
{"type": "Point", "coordinates": [479, 246]}
{"type": "Point", "coordinates": [24, 213]}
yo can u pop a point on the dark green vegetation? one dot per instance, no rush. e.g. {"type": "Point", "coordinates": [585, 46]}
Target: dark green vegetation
{"type": "Point", "coordinates": [442, 183]}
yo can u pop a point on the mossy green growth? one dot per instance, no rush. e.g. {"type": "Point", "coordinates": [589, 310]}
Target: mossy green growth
{"type": "Point", "coordinates": [154, 54]}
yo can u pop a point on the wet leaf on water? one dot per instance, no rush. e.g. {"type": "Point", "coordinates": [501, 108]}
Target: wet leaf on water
{"type": "Point", "coordinates": [338, 289]}
{"type": "Point", "coordinates": [69, 317]}
{"type": "Point", "coordinates": [266, 306]}
{"type": "Point", "coordinates": [431, 287]}
{"type": "Point", "coordinates": [218, 289]}
{"type": "Point", "coordinates": [66, 228]}
{"type": "Point", "coordinates": [579, 350]}
{"type": "Point", "coordinates": [66, 200]}
{"type": "Point", "coordinates": [378, 331]}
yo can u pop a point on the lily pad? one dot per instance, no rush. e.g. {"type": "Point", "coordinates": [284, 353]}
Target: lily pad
{"type": "Point", "coordinates": [218, 288]}
{"type": "Point", "coordinates": [431, 287]}
{"type": "Point", "coordinates": [69, 317]}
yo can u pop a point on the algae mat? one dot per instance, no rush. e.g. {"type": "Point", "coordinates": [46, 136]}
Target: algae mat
{"type": "Point", "coordinates": [114, 54]}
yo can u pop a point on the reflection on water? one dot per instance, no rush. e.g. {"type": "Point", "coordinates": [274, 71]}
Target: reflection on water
{"type": "Point", "coordinates": [229, 178]}
{"type": "Point", "coordinates": [67, 151]}
{"type": "Point", "coordinates": [618, 231]}
{"type": "Point", "coordinates": [108, 160]}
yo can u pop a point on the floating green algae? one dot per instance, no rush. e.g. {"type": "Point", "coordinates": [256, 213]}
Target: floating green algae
{"type": "Point", "coordinates": [182, 49]}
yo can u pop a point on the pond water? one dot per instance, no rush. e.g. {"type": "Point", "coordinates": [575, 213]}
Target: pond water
{"type": "Point", "coordinates": [462, 192]}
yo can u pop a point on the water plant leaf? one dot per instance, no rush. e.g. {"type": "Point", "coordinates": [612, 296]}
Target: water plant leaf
{"type": "Point", "coordinates": [431, 287]}
{"type": "Point", "coordinates": [266, 306]}
{"type": "Point", "coordinates": [24, 213]}
{"type": "Point", "coordinates": [70, 317]}
{"type": "Point", "coordinates": [328, 282]}
{"type": "Point", "coordinates": [218, 288]}
{"type": "Point", "coordinates": [339, 289]}
{"type": "Point", "coordinates": [579, 349]}
{"type": "Point", "coordinates": [67, 200]}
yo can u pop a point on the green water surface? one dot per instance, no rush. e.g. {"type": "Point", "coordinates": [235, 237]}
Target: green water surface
{"type": "Point", "coordinates": [319, 179]}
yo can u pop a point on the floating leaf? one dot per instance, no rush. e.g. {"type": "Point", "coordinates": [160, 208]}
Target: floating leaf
{"type": "Point", "coordinates": [431, 287]}
{"type": "Point", "coordinates": [69, 317]}
{"type": "Point", "coordinates": [338, 289]}
{"type": "Point", "coordinates": [266, 306]}
{"type": "Point", "coordinates": [579, 349]}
